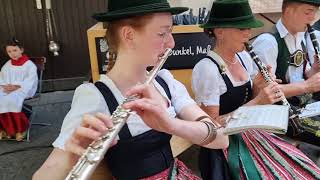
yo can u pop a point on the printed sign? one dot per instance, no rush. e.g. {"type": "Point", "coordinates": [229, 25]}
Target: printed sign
{"type": "Point", "coordinates": [189, 49]}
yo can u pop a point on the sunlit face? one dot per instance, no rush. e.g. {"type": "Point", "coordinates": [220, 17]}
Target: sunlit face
{"type": "Point", "coordinates": [152, 41]}
{"type": "Point", "coordinates": [14, 52]}
{"type": "Point", "coordinates": [234, 38]}
{"type": "Point", "coordinates": [301, 15]}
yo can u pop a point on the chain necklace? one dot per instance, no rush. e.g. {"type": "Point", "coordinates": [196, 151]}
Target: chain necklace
{"type": "Point", "coordinates": [232, 62]}
{"type": "Point", "coordinates": [227, 61]}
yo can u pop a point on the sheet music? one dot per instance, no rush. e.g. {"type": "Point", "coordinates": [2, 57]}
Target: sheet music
{"type": "Point", "coordinates": [310, 110]}
{"type": "Point", "coordinates": [272, 118]}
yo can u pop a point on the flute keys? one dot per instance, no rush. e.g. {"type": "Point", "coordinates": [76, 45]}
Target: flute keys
{"type": "Point", "coordinates": [97, 144]}
{"type": "Point", "coordinates": [111, 129]}
{"type": "Point", "coordinates": [123, 115]}
{"type": "Point", "coordinates": [92, 156]}
{"type": "Point", "coordinates": [131, 98]}
{"type": "Point", "coordinates": [106, 136]}
{"type": "Point", "coordinates": [117, 120]}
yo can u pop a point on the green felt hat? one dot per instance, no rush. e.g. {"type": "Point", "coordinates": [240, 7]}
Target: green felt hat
{"type": "Point", "coordinates": [119, 9]}
{"type": "Point", "coordinates": [231, 14]}
{"type": "Point", "coordinates": [312, 2]}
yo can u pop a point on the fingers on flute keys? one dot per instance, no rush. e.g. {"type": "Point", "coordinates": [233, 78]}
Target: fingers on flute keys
{"type": "Point", "coordinates": [91, 128]}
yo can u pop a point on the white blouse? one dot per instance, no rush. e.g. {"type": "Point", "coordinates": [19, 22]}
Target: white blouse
{"type": "Point", "coordinates": [266, 47]}
{"type": "Point", "coordinates": [88, 100]}
{"type": "Point", "coordinates": [207, 82]}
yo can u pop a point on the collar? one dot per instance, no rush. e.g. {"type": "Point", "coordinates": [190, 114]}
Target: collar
{"type": "Point", "coordinates": [20, 61]}
{"type": "Point", "coordinates": [104, 78]}
{"type": "Point", "coordinates": [114, 89]}
{"type": "Point", "coordinates": [218, 58]}
{"type": "Point", "coordinates": [283, 31]}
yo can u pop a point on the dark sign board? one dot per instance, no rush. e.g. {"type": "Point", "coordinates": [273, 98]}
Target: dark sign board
{"type": "Point", "coordinates": [189, 49]}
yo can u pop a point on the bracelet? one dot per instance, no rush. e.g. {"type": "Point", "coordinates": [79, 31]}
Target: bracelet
{"type": "Point", "coordinates": [202, 117]}
{"type": "Point", "coordinates": [215, 124]}
{"type": "Point", "coordinates": [212, 133]}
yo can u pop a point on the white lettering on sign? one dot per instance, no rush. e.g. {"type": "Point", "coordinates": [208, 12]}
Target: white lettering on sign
{"type": "Point", "coordinates": [188, 51]}
{"type": "Point", "coordinates": [201, 50]}
{"type": "Point", "coordinates": [183, 51]}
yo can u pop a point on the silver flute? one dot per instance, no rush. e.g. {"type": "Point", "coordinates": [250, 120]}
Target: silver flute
{"type": "Point", "coordinates": [314, 41]}
{"type": "Point", "coordinates": [96, 151]}
{"type": "Point", "coordinates": [295, 122]}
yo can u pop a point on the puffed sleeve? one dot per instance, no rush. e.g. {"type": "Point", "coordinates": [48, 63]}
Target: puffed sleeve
{"type": "Point", "coordinates": [180, 97]}
{"type": "Point", "coordinates": [86, 100]}
{"type": "Point", "coordinates": [266, 48]}
{"type": "Point", "coordinates": [205, 83]}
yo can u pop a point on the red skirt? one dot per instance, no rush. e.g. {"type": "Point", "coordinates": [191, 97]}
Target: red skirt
{"type": "Point", "coordinates": [274, 158]}
{"type": "Point", "coordinates": [13, 122]}
{"type": "Point", "coordinates": [179, 172]}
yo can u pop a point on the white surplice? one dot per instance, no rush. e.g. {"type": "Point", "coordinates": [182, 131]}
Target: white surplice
{"type": "Point", "coordinates": [25, 76]}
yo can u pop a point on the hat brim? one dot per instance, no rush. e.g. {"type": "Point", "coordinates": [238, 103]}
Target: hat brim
{"type": "Point", "coordinates": [244, 24]}
{"type": "Point", "coordinates": [110, 16]}
{"type": "Point", "coordinates": [314, 3]}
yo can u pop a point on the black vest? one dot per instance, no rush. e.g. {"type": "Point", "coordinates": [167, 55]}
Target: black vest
{"type": "Point", "coordinates": [140, 156]}
{"type": "Point", "coordinates": [235, 96]}
{"type": "Point", "coordinates": [283, 62]}
{"type": "Point", "coordinates": [212, 162]}
{"type": "Point", "coordinates": [283, 58]}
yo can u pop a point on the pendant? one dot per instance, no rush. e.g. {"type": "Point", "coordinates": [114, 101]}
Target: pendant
{"type": "Point", "coordinates": [223, 68]}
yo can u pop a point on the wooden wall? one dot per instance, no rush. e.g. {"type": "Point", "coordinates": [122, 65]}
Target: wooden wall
{"type": "Point", "coordinates": [22, 19]}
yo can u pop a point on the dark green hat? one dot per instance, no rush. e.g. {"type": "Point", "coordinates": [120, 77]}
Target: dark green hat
{"type": "Point", "coordinates": [231, 14]}
{"type": "Point", "coordinates": [119, 9]}
{"type": "Point", "coordinates": [312, 2]}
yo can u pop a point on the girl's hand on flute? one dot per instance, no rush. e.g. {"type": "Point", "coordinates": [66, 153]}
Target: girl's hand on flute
{"type": "Point", "coordinates": [91, 128]}
{"type": "Point", "coordinates": [151, 107]}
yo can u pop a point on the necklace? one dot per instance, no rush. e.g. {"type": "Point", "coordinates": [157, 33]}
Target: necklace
{"type": "Point", "coordinates": [231, 62]}
{"type": "Point", "coordinates": [227, 61]}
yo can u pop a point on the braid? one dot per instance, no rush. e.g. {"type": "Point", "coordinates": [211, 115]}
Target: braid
{"type": "Point", "coordinates": [111, 41]}
{"type": "Point", "coordinates": [112, 59]}
{"type": "Point", "coordinates": [210, 33]}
